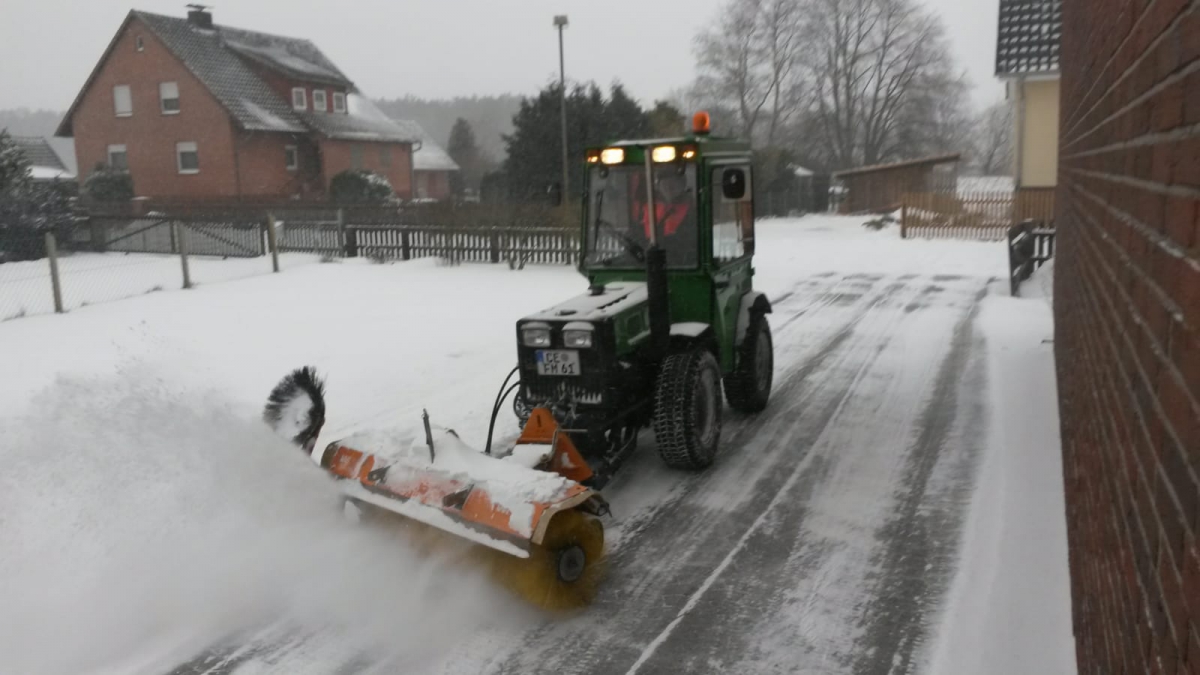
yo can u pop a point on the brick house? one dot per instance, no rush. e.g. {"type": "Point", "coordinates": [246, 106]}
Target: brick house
{"type": "Point", "coordinates": [1027, 52]}
{"type": "Point", "coordinates": [196, 110]}
{"type": "Point", "coordinates": [1127, 331]}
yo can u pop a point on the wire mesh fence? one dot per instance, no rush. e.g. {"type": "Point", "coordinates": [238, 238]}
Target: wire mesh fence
{"type": "Point", "coordinates": [98, 261]}
{"type": "Point", "coordinates": [26, 284]}
{"type": "Point", "coordinates": [110, 256]}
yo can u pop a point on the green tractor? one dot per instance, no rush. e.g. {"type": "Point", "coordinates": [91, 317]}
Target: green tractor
{"type": "Point", "coordinates": [670, 317]}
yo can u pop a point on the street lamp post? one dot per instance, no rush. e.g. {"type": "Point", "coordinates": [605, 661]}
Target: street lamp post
{"type": "Point", "coordinates": [560, 22]}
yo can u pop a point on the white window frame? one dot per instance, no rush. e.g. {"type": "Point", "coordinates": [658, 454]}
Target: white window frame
{"type": "Point", "coordinates": [117, 91]}
{"type": "Point", "coordinates": [180, 149]}
{"type": "Point", "coordinates": [139, 44]}
{"type": "Point", "coordinates": [300, 103]}
{"type": "Point", "coordinates": [339, 102]}
{"type": "Point", "coordinates": [118, 149]}
{"type": "Point", "coordinates": [291, 157]}
{"type": "Point", "coordinates": [162, 97]}
{"type": "Point", "coordinates": [320, 100]}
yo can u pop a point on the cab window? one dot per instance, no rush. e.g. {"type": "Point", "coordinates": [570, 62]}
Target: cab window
{"type": "Point", "coordinates": [733, 219]}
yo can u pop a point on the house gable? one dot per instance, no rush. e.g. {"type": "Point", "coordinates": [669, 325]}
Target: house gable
{"type": "Point", "coordinates": [136, 58]}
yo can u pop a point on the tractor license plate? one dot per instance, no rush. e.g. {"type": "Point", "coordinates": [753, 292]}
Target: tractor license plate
{"type": "Point", "coordinates": [557, 362]}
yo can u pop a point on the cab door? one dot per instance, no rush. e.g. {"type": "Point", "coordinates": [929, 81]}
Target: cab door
{"type": "Point", "coordinates": [732, 208]}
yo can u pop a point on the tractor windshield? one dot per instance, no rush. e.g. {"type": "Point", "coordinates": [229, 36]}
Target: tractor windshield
{"type": "Point", "coordinates": [618, 218]}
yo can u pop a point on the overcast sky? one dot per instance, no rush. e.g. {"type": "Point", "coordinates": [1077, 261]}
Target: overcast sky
{"type": "Point", "coordinates": [433, 48]}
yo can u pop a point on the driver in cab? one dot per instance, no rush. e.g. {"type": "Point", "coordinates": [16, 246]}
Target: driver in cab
{"type": "Point", "coordinates": [674, 213]}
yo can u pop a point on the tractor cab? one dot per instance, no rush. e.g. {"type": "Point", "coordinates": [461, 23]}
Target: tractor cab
{"type": "Point", "coordinates": [670, 316]}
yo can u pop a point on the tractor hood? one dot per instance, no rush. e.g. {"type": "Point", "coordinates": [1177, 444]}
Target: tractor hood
{"type": "Point", "coordinates": [601, 303]}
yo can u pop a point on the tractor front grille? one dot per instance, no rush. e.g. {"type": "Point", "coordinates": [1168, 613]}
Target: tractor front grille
{"type": "Point", "coordinates": [552, 391]}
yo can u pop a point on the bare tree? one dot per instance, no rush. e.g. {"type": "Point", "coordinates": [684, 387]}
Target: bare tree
{"type": "Point", "coordinates": [875, 61]}
{"type": "Point", "coordinates": [751, 62]}
{"type": "Point", "coordinates": [993, 140]}
{"type": "Point", "coordinates": [730, 71]}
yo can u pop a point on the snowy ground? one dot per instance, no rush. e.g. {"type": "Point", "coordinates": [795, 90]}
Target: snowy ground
{"type": "Point", "coordinates": [150, 525]}
{"type": "Point", "coordinates": [91, 278]}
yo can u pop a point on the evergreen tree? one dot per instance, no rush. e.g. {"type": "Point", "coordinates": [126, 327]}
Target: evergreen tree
{"type": "Point", "coordinates": [465, 152]}
{"type": "Point", "coordinates": [534, 159]}
{"type": "Point", "coordinates": [14, 167]}
{"type": "Point", "coordinates": [27, 208]}
{"type": "Point", "coordinates": [666, 120]}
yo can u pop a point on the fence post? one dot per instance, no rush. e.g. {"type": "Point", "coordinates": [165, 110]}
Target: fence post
{"type": "Point", "coordinates": [405, 245]}
{"type": "Point", "coordinates": [55, 281]}
{"type": "Point", "coordinates": [99, 234]}
{"type": "Point", "coordinates": [495, 241]}
{"type": "Point", "coordinates": [273, 242]}
{"type": "Point", "coordinates": [904, 217]}
{"type": "Point", "coordinates": [348, 240]}
{"type": "Point", "coordinates": [180, 236]}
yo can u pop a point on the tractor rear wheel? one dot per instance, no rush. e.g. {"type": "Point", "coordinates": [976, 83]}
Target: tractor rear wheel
{"type": "Point", "coordinates": [748, 387]}
{"type": "Point", "coordinates": [687, 409]}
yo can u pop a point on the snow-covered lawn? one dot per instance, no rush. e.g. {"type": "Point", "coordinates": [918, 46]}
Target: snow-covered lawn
{"type": "Point", "coordinates": [145, 512]}
{"type": "Point", "coordinates": [91, 278]}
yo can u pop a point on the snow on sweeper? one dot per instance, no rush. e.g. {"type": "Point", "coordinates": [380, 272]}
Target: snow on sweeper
{"type": "Point", "coordinates": [669, 318]}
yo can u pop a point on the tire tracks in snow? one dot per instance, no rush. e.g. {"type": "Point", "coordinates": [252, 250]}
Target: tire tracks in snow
{"type": "Point", "coordinates": [921, 537]}
{"type": "Point", "coordinates": [725, 630]}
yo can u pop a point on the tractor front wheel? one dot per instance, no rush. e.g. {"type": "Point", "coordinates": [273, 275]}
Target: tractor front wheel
{"type": "Point", "coordinates": [687, 410]}
{"type": "Point", "coordinates": [748, 387]}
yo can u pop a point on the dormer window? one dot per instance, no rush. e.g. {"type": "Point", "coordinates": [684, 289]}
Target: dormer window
{"type": "Point", "coordinates": [319, 100]}
{"type": "Point", "coordinates": [299, 98]}
{"type": "Point", "coordinates": [339, 102]}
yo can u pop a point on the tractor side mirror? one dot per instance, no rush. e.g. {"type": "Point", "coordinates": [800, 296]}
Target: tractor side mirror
{"type": "Point", "coordinates": [554, 194]}
{"type": "Point", "coordinates": [733, 183]}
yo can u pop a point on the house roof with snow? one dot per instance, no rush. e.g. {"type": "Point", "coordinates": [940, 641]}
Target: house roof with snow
{"type": "Point", "coordinates": [219, 57]}
{"type": "Point", "coordinates": [1030, 33]}
{"type": "Point", "coordinates": [429, 156]}
{"type": "Point", "coordinates": [44, 162]}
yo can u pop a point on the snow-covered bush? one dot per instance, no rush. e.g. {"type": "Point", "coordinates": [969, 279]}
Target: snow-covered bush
{"type": "Point", "coordinates": [359, 186]}
{"type": "Point", "coordinates": [27, 208]}
{"type": "Point", "coordinates": [107, 184]}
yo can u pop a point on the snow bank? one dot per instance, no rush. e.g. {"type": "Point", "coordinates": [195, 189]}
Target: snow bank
{"type": "Point", "coordinates": [139, 519]}
{"type": "Point", "coordinates": [1041, 283]}
{"type": "Point", "coordinates": [1009, 610]}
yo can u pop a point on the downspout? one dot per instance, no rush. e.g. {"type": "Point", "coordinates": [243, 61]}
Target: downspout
{"type": "Point", "coordinates": [1019, 151]}
{"type": "Point", "coordinates": [413, 149]}
{"type": "Point", "coordinates": [237, 167]}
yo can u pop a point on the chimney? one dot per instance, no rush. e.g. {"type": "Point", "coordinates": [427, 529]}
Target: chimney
{"type": "Point", "coordinates": [200, 17]}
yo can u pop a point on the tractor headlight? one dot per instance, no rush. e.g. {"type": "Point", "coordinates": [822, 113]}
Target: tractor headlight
{"type": "Point", "coordinates": [663, 153]}
{"type": "Point", "coordinates": [612, 155]}
{"type": "Point", "coordinates": [577, 339]}
{"type": "Point", "coordinates": [535, 337]}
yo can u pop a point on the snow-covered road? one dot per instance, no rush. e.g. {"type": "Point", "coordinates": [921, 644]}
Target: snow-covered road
{"type": "Point", "coordinates": [825, 538]}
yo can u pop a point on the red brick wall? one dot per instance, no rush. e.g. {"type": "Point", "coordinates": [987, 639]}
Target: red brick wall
{"type": "Point", "coordinates": [1127, 303]}
{"type": "Point", "coordinates": [150, 136]}
{"type": "Point", "coordinates": [336, 156]}
{"type": "Point", "coordinates": [262, 165]}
